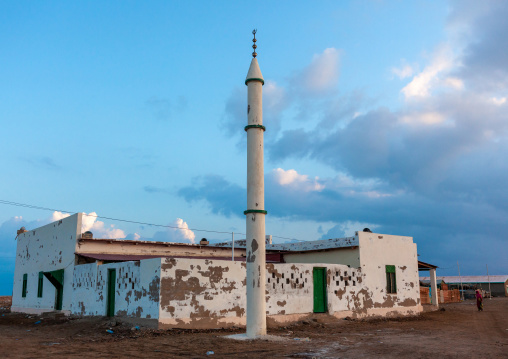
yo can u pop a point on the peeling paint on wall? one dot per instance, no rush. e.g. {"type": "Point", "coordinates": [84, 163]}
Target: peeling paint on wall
{"type": "Point", "coordinates": [195, 293]}
{"type": "Point", "coordinates": [137, 288]}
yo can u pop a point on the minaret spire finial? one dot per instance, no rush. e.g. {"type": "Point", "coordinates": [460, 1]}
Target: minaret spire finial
{"type": "Point", "coordinates": [254, 41]}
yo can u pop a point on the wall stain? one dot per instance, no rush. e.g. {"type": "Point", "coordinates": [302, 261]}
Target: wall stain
{"type": "Point", "coordinates": [128, 296]}
{"type": "Point", "coordinates": [168, 263]}
{"type": "Point", "coordinates": [139, 310]}
{"type": "Point", "coordinates": [215, 273]}
{"type": "Point", "coordinates": [229, 288]}
{"type": "Point", "coordinates": [408, 302]}
{"type": "Point", "coordinates": [153, 289]}
{"type": "Point", "coordinates": [178, 289]}
{"type": "Point", "coordinates": [82, 309]}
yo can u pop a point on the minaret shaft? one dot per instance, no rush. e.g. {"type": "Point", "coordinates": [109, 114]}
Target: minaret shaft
{"type": "Point", "coordinates": [255, 148]}
{"type": "Point", "coordinates": [255, 213]}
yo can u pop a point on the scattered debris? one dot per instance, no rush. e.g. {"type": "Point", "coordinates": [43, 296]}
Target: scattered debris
{"type": "Point", "coordinates": [109, 331]}
{"type": "Point", "coordinates": [38, 322]}
{"type": "Point", "coordinates": [210, 352]}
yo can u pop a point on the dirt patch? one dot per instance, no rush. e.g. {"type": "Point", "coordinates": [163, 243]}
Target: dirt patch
{"type": "Point", "coordinates": [473, 334]}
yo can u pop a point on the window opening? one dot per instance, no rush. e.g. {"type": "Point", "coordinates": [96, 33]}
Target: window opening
{"type": "Point", "coordinates": [25, 280]}
{"type": "Point", "coordinates": [39, 286]}
{"type": "Point", "coordinates": [391, 280]}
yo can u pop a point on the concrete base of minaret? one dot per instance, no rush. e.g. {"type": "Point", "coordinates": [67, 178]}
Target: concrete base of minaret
{"type": "Point", "coordinates": [270, 338]}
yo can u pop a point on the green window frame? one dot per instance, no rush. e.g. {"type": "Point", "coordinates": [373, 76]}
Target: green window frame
{"type": "Point", "coordinates": [391, 280]}
{"type": "Point", "coordinates": [25, 281]}
{"type": "Point", "coordinates": [39, 287]}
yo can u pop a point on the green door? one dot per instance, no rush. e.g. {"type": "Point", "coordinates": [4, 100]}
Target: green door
{"type": "Point", "coordinates": [56, 278]}
{"type": "Point", "coordinates": [319, 290]}
{"type": "Point", "coordinates": [110, 309]}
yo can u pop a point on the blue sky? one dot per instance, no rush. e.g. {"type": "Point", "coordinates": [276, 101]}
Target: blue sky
{"type": "Point", "coordinates": [386, 114]}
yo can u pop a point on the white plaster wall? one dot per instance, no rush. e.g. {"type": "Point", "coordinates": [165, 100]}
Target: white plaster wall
{"type": "Point", "coordinates": [136, 288]}
{"type": "Point", "coordinates": [290, 292]}
{"type": "Point", "coordinates": [210, 294]}
{"type": "Point", "coordinates": [346, 288]}
{"type": "Point", "coordinates": [88, 298]}
{"type": "Point", "coordinates": [201, 293]}
{"type": "Point", "coordinates": [47, 248]}
{"type": "Point", "coordinates": [289, 289]}
{"type": "Point", "coordinates": [347, 256]}
{"type": "Point", "coordinates": [379, 250]}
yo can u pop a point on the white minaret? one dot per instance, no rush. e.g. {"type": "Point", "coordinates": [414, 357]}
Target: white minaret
{"type": "Point", "coordinates": [256, 279]}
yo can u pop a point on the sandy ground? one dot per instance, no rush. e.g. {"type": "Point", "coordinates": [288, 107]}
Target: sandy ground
{"type": "Point", "coordinates": [460, 331]}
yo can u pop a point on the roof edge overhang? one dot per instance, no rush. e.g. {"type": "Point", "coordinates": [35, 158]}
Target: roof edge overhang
{"type": "Point", "coordinates": [422, 266]}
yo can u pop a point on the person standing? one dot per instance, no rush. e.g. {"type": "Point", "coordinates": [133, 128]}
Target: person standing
{"type": "Point", "coordinates": [479, 300]}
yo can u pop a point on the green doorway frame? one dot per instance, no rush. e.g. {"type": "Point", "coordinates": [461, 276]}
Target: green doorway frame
{"type": "Point", "coordinates": [56, 278]}
{"type": "Point", "coordinates": [320, 299]}
{"type": "Point", "coordinates": [110, 306]}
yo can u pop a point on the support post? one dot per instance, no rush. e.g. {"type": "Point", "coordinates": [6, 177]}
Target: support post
{"type": "Point", "coordinates": [488, 277]}
{"type": "Point", "coordinates": [433, 287]}
{"type": "Point", "coordinates": [461, 287]}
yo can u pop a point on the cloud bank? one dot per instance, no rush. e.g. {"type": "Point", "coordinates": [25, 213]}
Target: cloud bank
{"type": "Point", "coordinates": [433, 168]}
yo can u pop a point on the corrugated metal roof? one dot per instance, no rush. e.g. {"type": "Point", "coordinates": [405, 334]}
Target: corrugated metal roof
{"type": "Point", "coordinates": [471, 279]}
{"type": "Point", "coordinates": [302, 246]}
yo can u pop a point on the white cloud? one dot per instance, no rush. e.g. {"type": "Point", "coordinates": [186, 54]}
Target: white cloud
{"type": "Point", "coordinates": [322, 74]}
{"type": "Point", "coordinates": [454, 82]}
{"type": "Point", "coordinates": [183, 231]}
{"type": "Point", "coordinates": [293, 179]}
{"type": "Point", "coordinates": [347, 229]}
{"type": "Point", "coordinates": [274, 97]}
{"type": "Point", "coordinates": [404, 71]}
{"type": "Point", "coordinates": [434, 75]}
{"type": "Point", "coordinates": [424, 118]}
{"type": "Point", "coordinates": [98, 228]}
{"type": "Point", "coordinates": [56, 216]}
{"type": "Point", "coordinates": [179, 235]}
{"type": "Point", "coordinates": [376, 194]}
{"type": "Point", "coordinates": [498, 101]}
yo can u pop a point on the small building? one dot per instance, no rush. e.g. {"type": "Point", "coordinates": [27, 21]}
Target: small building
{"type": "Point", "coordinates": [441, 285]}
{"type": "Point", "coordinates": [498, 283]}
{"type": "Point", "coordinates": [200, 286]}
